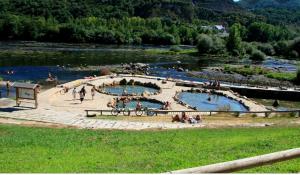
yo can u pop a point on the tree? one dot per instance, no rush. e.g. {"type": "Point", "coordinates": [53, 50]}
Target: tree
{"type": "Point", "coordinates": [234, 42]}
{"type": "Point", "coordinates": [257, 55]}
{"type": "Point", "coordinates": [205, 44]}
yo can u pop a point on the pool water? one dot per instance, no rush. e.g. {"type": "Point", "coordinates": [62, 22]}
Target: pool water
{"type": "Point", "coordinates": [145, 104]}
{"type": "Point", "coordinates": [130, 89]}
{"type": "Point", "coordinates": [217, 102]}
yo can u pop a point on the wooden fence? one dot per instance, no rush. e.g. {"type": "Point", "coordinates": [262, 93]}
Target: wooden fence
{"type": "Point", "coordinates": [236, 165]}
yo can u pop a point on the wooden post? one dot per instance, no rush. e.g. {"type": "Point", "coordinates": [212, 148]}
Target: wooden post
{"type": "Point", "coordinates": [17, 97]}
{"type": "Point", "coordinates": [242, 164]}
{"type": "Point", "coordinates": [35, 98]}
{"type": "Point", "coordinates": [267, 114]}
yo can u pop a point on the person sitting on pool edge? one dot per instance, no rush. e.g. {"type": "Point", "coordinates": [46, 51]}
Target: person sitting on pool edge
{"type": "Point", "coordinates": [138, 106]}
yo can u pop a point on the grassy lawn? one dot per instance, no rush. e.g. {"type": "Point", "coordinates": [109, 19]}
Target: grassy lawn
{"type": "Point", "coordinates": [27, 149]}
{"type": "Point", "coordinates": [257, 70]}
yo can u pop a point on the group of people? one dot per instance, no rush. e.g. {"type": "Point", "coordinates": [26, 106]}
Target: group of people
{"type": "Point", "coordinates": [82, 93]}
{"type": "Point", "coordinates": [167, 105]}
{"type": "Point", "coordinates": [215, 84]}
{"type": "Point", "coordinates": [187, 119]}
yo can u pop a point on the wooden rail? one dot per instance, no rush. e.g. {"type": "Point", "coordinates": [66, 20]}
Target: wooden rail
{"type": "Point", "coordinates": [180, 112]}
{"type": "Point", "coordinates": [242, 164]}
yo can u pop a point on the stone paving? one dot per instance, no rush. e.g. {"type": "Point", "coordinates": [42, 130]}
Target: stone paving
{"type": "Point", "coordinates": [61, 109]}
{"type": "Point", "coordinates": [80, 121]}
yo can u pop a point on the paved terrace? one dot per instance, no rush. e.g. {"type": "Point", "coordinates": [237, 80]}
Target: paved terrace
{"type": "Point", "coordinates": [58, 108]}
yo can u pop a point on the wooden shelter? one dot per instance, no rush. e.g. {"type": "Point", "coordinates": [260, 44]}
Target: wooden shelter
{"type": "Point", "coordinates": [26, 91]}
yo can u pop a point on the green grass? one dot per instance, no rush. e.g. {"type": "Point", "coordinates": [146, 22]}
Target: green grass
{"type": "Point", "coordinates": [256, 70]}
{"type": "Point", "coordinates": [169, 52]}
{"type": "Point", "coordinates": [27, 150]}
{"type": "Point", "coordinates": [284, 76]}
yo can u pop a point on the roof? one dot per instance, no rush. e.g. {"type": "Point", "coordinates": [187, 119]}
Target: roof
{"type": "Point", "coordinates": [24, 85]}
{"type": "Point", "coordinates": [219, 27]}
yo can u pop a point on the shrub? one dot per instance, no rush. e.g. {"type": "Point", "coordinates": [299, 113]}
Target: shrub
{"type": "Point", "coordinates": [249, 48]}
{"type": "Point", "coordinates": [295, 45]}
{"type": "Point", "coordinates": [266, 48]}
{"type": "Point", "coordinates": [257, 55]}
{"type": "Point", "coordinates": [297, 80]}
{"type": "Point", "coordinates": [123, 82]}
{"type": "Point", "coordinates": [131, 82]}
{"type": "Point", "coordinates": [175, 49]}
{"type": "Point", "coordinates": [281, 48]}
{"type": "Point", "coordinates": [205, 44]}
{"type": "Point", "coordinates": [104, 71]}
{"type": "Point", "coordinates": [293, 54]}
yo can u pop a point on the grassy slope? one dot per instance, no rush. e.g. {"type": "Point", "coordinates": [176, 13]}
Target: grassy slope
{"type": "Point", "coordinates": [25, 149]}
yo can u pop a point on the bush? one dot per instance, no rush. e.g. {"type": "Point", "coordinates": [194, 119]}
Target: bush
{"type": "Point", "coordinates": [104, 71]}
{"type": "Point", "coordinates": [249, 48]}
{"type": "Point", "coordinates": [293, 54]}
{"type": "Point", "coordinates": [175, 49]}
{"type": "Point", "coordinates": [257, 55]}
{"type": "Point", "coordinates": [295, 45]}
{"type": "Point", "coordinates": [266, 48]}
{"type": "Point", "coordinates": [123, 82]}
{"type": "Point", "coordinates": [205, 44]}
{"type": "Point", "coordinates": [298, 76]}
{"type": "Point", "coordinates": [281, 48]}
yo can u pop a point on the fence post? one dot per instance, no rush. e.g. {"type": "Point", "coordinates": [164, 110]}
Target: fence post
{"type": "Point", "coordinates": [209, 113]}
{"type": "Point", "coordinates": [101, 112]}
{"type": "Point", "coordinates": [267, 114]}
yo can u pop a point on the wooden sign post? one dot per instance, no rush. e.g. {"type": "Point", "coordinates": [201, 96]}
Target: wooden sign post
{"type": "Point", "coordinates": [25, 91]}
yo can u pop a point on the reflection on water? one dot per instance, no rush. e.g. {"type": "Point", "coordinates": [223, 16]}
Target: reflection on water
{"type": "Point", "coordinates": [217, 102]}
{"type": "Point", "coordinates": [130, 89]}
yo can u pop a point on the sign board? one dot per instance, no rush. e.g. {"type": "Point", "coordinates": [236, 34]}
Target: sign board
{"type": "Point", "coordinates": [26, 93]}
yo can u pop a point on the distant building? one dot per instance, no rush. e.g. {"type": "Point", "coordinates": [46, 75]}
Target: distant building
{"type": "Point", "coordinates": [219, 28]}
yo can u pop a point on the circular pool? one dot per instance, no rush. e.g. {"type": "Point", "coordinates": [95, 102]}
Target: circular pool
{"type": "Point", "coordinates": [129, 90]}
{"type": "Point", "coordinates": [145, 104]}
{"type": "Point", "coordinates": [210, 102]}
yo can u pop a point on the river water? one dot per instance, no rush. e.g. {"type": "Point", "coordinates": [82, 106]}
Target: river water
{"type": "Point", "coordinates": [32, 61]}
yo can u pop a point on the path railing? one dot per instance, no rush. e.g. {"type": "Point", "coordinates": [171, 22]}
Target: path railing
{"type": "Point", "coordinates": [295, 113]}
{"type": "Point", "coordinates": [236, 165]}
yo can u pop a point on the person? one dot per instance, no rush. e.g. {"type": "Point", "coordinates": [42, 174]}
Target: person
{"type": "Point", "coordinates": [7, 88]}
{"type": "Point", "coordinates": [176, 118]}
{"type": "Point", "coordinates": [74, 93]}
{"type": "Point", "coordinates": [192, 120]}
{"type": "Point", "coordinates": [218, 85]}
{"type": "Point", "coordinates": [199, 118]}
{"type": "Point", "coordinates": [81, 95]}
{"type": "Point", "coordinates": [276, 103]}
{"type": "Point", "coordinates": [93, 92]}
{"type": "Point", "coordinates": [50, 77]}
{"type": "Point", "coordinates": [184, 117]}
{"type": "Point", "coordinates": [83, 91]}
{"type": "Point", "coordinates": [138, 105]}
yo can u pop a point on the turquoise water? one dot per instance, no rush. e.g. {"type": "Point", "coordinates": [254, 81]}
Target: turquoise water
{"type": "Point", "coordinates": [145, 104]}
{"type": "Point", "coordinates": [217, 102]}
{"type": "Point", "coordinates": [131, 89]}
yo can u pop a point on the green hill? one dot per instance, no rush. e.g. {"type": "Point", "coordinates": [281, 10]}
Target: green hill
{"type": "Point", "coordinates": [67, 9]}
{"type": "Point", "coordinates": [261, 4]}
